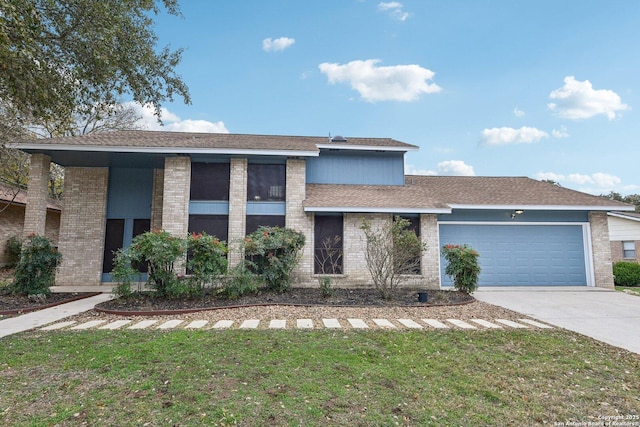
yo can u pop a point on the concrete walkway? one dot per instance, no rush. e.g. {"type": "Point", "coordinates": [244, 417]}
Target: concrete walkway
{"type": "Point", "coordinates": [606, 315]}
{"type": "Point", "coordinates": [40, 318]}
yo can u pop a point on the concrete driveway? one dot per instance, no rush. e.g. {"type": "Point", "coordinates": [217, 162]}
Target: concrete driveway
{"type": "Point", "coordinates": [608, 316]}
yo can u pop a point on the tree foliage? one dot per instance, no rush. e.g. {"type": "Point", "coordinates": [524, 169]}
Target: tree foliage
{"type": "Point", "coordinates": [633, 199]}
{"type": "Point", "coordinates": [54, 53]}
{"type": "Point", "coordinates": [392, 252]}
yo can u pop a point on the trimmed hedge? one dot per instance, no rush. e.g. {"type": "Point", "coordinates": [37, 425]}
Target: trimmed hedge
{"type": "Point", "coordinates": [626, 273]}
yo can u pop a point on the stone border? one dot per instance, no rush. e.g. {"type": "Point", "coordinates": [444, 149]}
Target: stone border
{"type": "Point", "coordinates": [42, 307]}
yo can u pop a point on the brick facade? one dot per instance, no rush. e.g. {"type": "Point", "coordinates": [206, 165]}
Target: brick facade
{"type": "Point", "coordinates": [156, 199]}
{"type": "Point", "coordinates": [601, 249]}
{"type": "Point", "coordinates": [35, 214]}
{"type": "Point", "coordinates": [237, 209]}
{"type": "Point", "coordinates": [82, 226]}
{"type": "Point", "coordinates": [296, 218]}
{"type": "Point", "coordinates": [430, 267]}
{"type": "Point", "coordinates": [175, 199]}
{"type": "Point", "coordinates": [12, 224]}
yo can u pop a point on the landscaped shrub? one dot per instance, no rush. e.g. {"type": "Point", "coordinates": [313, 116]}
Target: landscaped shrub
{"type": "Point", "coordinates": [12, 251]}
{"type": "Point", "coordinates": [274, 253]}
{"type": "Point", "coordinates": [207, 258]}
{"type": "Point", "coordinates": [240, 281]}
{"type": "Point", "coordinates": [626, 273]}
{"type": "Point", "coordinates": [392, 253]}
{"type": "Point", "coordinates": [160, 251]}
{"type": "Point", "coordinates": [35, 272]}
{"type": "Point", "coordinates": [462, 267]}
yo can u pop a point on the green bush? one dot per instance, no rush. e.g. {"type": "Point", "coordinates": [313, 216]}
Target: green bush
{"type": "Point", "coordinates": [274, 253]}
{"type": "Point", "coordinates": [240, 281]}
{"type": "Point", "coordinates": [12, 251]}
{"type": "Point", "coordinates": [626, 273]}
{"type": "Point", "coordinates": [207, 258]}
{"type": "Point", "coordinates": [35, 272]}
{"type": "Point", "coordinates": [462, 267]}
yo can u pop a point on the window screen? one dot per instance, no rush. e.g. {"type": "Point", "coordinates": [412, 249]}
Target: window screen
{"type": "Point", "coordinates": [414, 225]}
{"type": "Point", "coordinates": [113, 240]}
{"type": "Point", "coordinates": [266, 182]}
{"type": "Point", "coordinates": [213, 225]}
{"type": "Point", "coordinates": [328, 250]}
{"type": "Point", "coordinates": [256, 221]}
{"type": "Point", "coordinates": [210, 181]}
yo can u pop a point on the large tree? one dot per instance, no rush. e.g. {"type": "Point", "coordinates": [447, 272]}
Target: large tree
{"type": "Point", "coordinates": [59, 58]}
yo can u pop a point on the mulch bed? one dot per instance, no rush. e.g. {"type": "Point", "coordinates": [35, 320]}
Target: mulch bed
{"type": "Point", "coordinates": [147, 302]}
{"type": "Point", "coordinates": [17, 304]}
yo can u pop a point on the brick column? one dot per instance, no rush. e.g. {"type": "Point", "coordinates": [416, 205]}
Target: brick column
{"type": "Point", "coordinates": [355, 246]}
{"type": "Point", "coordinates": [82, 226]}
{"type": "Point", "coordinates": [156, 199]}
{"type": "Point", "coordinates": [297, 219]}
{"type": "Point", "coordinates": [175, 197]}
{"type": "Point", "coordinates": [601, 248]}
{"type": "Point", "coordinates": [237, 209]}
{"type": "Point", "coordinates": [431, 256]}
{"type": "Point", "coordinates": [35, 213]}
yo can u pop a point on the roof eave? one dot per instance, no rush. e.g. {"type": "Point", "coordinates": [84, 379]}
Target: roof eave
{"type": "Point", "coordinates": [617, 215]}
{"type": "Point", "coordinates": [367, 147]}
{"type": "Point", "coordinates": [362, 209]}
{"type": "Point", "coordinates": [543, 207]}
{"type": "Point", "coordinates": [165, 150]}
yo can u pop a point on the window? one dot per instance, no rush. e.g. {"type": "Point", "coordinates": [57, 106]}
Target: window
{"type": "Point", "coordinates": [414, 225]}
{"type": "Point", "coordinates": [266, 182]}
{"type": "Point", "coordinates": [113, 240]}
{"type": "Point", "coordinates": [210, 181]}
{"type": "Point", "coordinates": [328, 250]}
{"type": "Point", "coordinates": [256, 221]}
{"type": "Point", "coordinates": [213, 225]}
{"type": "Point", "coordinates": [629, 250]}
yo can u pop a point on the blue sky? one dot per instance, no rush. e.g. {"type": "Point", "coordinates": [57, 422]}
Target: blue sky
{"type": "Point", "coordinates": [545, 89]}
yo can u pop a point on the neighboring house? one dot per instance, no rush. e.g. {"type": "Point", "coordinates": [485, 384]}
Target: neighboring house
{"type": "Point", "coordinates": [12, 211]}
{"type": "Point", "coordinates": [624, 234]}
{"type": "Point", "coordinates": [120, 184]}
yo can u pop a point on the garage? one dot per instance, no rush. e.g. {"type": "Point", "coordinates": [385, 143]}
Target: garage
{"type": "Point", "coordinates": [522, 254]}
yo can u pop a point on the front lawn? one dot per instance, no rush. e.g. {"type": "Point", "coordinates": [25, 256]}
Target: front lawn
{"type": "Point", "coordinates": [256, 378]}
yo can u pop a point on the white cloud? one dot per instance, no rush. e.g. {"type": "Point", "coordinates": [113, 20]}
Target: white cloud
{"type": "Point", "coordinates": [394, 9]}
{"type": "Point", "coordinates": [393, 83]}
{"type": "Point", "coordinates": [271, 45]}
{"type": "Point", "coordinates": [518, 112]}
{"type": "Point", "coordinates": [561, 133]}
{"type": "Point", "coordinates": [506, 135]}
{"type": "Point", "coordinates": [448, 167]}
{"type": "Point", "coordinates": [595, 183]}
{"type": "Point", "coordinates": [173, 123]}
{"type": "Point", "coordinates": [578, 100]}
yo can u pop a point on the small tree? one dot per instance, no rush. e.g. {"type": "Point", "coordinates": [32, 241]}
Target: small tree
{"type": "Point", "coordinates": [462, 267]}
{"type": "Point", "coordinates": [392, 252]}
{"type": "Point", "coordinates": [328, 261]}
{"type": "Point", "coordinates": [35, 272]}
{"type": "Point", "coordinates": [275, 253]}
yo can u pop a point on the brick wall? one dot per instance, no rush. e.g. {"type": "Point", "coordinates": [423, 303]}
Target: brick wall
{"type": "Point", "coordinates": [37, 195]}
{"type": "Point", "coordinates": [601, 248]}
{"type": "Point", "coordinates": [12, 224]}
{"type": "Point", "coordinates": [431, 257]}
{"type": "Point", "coordinates": [237, 208]}
{"type": "Point", "coordinates": [82, 225]}
{"type": "Point", "coordinates": [175, 199]}
{"type": "Point", "coordinates": [156, 199]}
{"type": "Point", "coordinates": [297, 219]}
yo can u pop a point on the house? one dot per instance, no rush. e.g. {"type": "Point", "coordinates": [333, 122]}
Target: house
{"type": "Point", "coordinates": [120, 184]}
{"type": "Point", "coordinates": [12, 217]}
{"type": "Point", "coordinates": [624, 234]}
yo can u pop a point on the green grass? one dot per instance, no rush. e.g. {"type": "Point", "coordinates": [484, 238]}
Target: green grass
{"type": "Point", "coordinates": [633, 290]}
{"type": "Point", "coordinates": [356, 378]}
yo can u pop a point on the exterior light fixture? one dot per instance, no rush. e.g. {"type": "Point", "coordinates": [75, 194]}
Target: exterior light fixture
{"type": "Point", "coordinates": [516, 212]}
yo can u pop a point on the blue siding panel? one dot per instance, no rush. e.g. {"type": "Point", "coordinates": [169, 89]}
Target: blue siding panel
{"type": "Point", "coordinates": [266, 208]}
{"type": "Point", "coordinates": [348, 167]}
{"type": "Point", "coordinates": [208, 208]}
{"type": "Point", "coordinates": [522, 255]}
{"type": "Point", "coordinates": [130, 192]}
{"type": "Point", "coordinates": [505, 215]}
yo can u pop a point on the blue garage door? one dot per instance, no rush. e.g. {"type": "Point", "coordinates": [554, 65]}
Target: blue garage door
{"type": "Point", "coordinates": [522, 255]}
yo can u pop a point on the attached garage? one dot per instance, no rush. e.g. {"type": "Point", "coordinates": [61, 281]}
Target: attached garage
{"type": "Point", "coordinates": [516, 254]}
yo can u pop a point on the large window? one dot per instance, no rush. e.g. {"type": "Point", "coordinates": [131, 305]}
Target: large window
{"type": "Point", "coordinates": [256, 221]}
{"type": "Point", "coordinates": [210, 181]}
{"type": "Point", "coordinates": [114, 239]}
{"type": "Point", "coordinates": [328, 247]}
{"type": "Point", "coordinates": [266, 182]}
{"type": "Point", "coordinates": [414, 225]}
{"type": "Point", "coordinates": [213, 225]}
